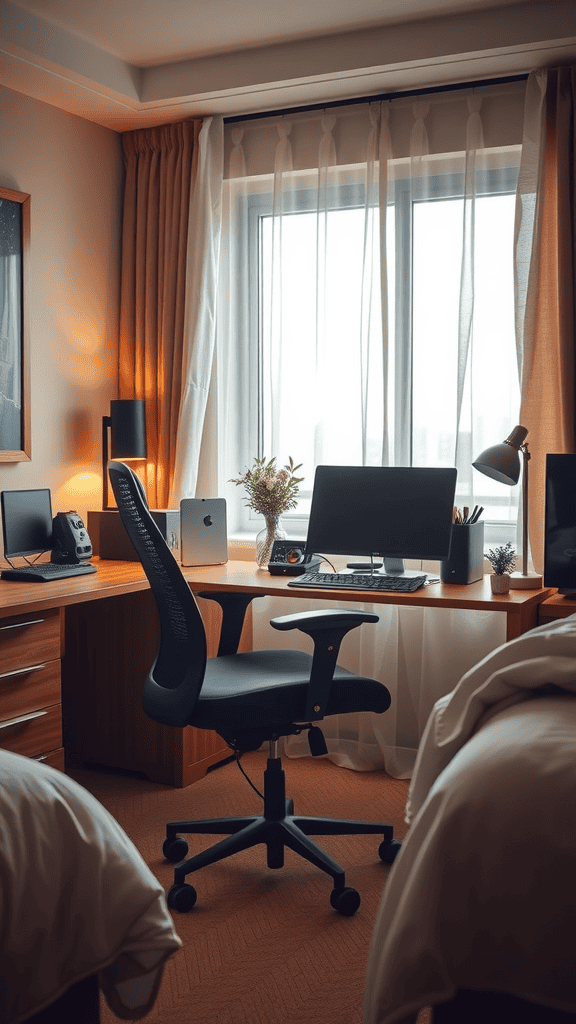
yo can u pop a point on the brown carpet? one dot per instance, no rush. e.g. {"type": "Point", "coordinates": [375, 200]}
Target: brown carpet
{"type": "Point", "coordinates": [263, 946]}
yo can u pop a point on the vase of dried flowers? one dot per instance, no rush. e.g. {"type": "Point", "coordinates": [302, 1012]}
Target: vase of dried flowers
{"type": "Point", "coordinates": [270, 492]}
{"type": "Point", "coordinates": [502, 561]}
{"type": "Point", "coordinates": [266, 537]}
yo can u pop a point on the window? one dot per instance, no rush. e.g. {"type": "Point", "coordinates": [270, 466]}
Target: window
{"type": "Point", "coordinates": [331, 388]}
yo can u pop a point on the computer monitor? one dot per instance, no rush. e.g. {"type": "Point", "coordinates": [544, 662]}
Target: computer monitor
{"type": "Point", "coordinates": [394, 512]}
{"type": "Point", "coordinates": [26, 522]}
{"type": "Point", "coordinates": [560, 523]}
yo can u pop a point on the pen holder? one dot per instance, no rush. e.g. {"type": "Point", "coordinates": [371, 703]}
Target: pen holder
{"type": "Point", "coordinates": [465, 563]}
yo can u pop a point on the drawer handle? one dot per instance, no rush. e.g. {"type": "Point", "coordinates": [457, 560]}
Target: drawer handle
{"type": "Point", "coordinates": [21, 671]}
{"type": "Point", "coordinates": [22, 718]}
{"type": "Point", "coordinates": [20, 625]}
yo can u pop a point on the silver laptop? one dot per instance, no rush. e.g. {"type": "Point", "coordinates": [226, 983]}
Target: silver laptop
{"type": "Point", "coordinates": [203, 531]}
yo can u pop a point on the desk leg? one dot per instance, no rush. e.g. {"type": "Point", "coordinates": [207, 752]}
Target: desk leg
{"type": "Point", "coordinates": [519, 619]}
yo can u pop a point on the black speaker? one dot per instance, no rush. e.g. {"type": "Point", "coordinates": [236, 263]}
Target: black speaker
{"type": "Point", "coordinates": [560, 523]}
{"type": "Point", "coordinates": [110, 540]}
{"type": "Point", "coordinates": [288, 558]}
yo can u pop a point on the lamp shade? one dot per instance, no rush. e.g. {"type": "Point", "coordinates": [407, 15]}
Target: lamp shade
{"type": "Point", "coordinates": [128, 429]}
{"type": "Point", "coordinates": [127, 426]}
{"type": "Point", "coordinates": [502, 461]}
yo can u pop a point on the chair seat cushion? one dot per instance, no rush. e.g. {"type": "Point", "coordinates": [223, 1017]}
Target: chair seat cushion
{"type": "Point", "coordinates": [269, 688]}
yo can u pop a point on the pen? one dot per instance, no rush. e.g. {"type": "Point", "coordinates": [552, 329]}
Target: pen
{"type": "Point", "coordinates": [476, 514]}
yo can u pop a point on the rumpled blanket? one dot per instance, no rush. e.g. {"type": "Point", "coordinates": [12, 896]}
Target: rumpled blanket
{"type": "Point", "coordinates": [483, 892]}
{"type": "Point", "coordinates": [76, 898]}
{"type": "Point", "coordinates": [544, 659]}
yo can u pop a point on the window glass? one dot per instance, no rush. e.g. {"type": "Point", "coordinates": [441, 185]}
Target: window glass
{"type": "Point", "coordinates": [312, 339]}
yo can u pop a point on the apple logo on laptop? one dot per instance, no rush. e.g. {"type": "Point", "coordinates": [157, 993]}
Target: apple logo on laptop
{"type": "Point", "coordinates": [207, 520]}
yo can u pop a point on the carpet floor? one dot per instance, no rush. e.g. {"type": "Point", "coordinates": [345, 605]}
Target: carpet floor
{"type": "Point", "coordinates": [263, 946]}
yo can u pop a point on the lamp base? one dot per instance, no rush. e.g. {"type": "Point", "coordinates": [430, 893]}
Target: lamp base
{"type": "Point", "coordinates": [531, 581]}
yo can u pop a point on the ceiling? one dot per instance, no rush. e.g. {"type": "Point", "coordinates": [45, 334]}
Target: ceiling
{"type": "Point", "coordinates": [147, 33]}
{"type": "Point", "coordinates": [133, 63]}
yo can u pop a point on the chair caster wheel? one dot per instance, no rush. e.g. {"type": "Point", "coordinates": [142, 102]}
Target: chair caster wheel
{"type": "Point", "coordinates": [387, 851]}
{"type": "Point", "coordinates": [345, 901]}
{"type": "Point", "coordinates": [182, 898]}
{"type": "Point", "coordinates": [175, 850]}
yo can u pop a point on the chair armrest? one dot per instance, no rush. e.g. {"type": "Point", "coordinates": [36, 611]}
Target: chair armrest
{"type": "Point", "coordinates": [234, 606]}
{"type": "Point", "coordinates": [327, 629]}
{"type": "Point", "coordinates": [332, 618]}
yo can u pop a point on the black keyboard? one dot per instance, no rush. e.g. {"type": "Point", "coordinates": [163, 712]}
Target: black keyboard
{"type": "Point", "coordinates": [43, 572]}
{"type": "Point", "coordinates": [359, 581]}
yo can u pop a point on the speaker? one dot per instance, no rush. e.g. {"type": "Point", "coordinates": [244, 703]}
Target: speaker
{"type": "Point", "coordinates": [110, 540]}
{"type": "Point", "coordinates": [465, 563]}
{"type": "Point", "coordinates": [288, 558]}
{"type": "Point", "coordinates": [560, 523]}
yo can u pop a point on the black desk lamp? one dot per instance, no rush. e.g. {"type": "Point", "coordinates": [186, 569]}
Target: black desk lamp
{"type": "Point", "coordinates": [502, 462]}
{"type": "Point", "coordinates": [127, 424]}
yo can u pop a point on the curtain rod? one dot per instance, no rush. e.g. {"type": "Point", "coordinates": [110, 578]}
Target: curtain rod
{"type": "Point", "coordinates": [375, 99]}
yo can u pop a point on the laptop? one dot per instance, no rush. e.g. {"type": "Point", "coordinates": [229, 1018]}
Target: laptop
{"type": "Point", "coordinates": [203, 531]}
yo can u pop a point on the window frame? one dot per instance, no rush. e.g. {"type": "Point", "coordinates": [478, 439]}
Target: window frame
{"type": "Point", "coordinates": [258, 205]}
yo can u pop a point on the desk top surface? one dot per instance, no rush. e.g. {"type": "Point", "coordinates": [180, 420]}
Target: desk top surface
{"type": "Point", "coordinates": [115, 578]}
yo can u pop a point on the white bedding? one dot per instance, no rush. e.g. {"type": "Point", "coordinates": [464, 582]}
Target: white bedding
{"type": "Point", "coordinates": [483, 892]}
{"type": "Point", "coordinates": [76, 898]}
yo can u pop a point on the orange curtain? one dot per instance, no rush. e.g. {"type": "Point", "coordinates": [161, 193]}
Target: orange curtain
{"type": "Point", "coordinates": [161, 168]}
{"type": "Point", "coordinates": [549, 359]}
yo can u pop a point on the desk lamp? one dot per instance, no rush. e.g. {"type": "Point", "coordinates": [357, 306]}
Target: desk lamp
{"type": "Point", "coordinates": [502, 462]}
{"type": "Point", "coordinates": [127, 424]}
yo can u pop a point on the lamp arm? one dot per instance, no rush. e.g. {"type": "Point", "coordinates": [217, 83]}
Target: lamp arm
{"type": "Point", "coordinates": [526, 454]}
{"type": "Point", "coordinates": [106, 421]}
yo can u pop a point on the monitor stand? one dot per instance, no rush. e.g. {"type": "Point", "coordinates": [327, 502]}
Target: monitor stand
{"type": "Point", "coordinates": [395, 567]}
{"type": "Point", "coordinates": [389, 566]}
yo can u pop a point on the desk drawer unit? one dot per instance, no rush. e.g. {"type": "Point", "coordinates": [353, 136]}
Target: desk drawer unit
{"type": "Point", "coordinates": [30, 688]}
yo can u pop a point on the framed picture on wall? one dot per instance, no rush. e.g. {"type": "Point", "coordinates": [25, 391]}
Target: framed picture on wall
{"type": "Point", "coordinates": [14, 355]}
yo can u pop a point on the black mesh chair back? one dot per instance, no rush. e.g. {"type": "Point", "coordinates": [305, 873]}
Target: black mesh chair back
{"type": "Point", "coordinates": [173, 683]}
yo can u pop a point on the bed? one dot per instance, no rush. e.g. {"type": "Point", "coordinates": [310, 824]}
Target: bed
{"type": "Point", "coordinates": [477, 916]}
{"type": "Point", "coordinates": [80, 910]}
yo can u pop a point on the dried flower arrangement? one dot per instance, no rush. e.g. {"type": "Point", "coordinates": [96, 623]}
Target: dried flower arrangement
{"type": "Point", "coordinates": [271, 491]}
{"type": "Point", "coordinates": [502, 559]}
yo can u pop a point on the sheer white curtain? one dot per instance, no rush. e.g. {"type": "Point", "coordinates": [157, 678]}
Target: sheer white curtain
{"type": "Point", "coordinates": [361, 259]}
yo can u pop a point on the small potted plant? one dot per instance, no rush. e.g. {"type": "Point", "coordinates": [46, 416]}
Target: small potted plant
{"type": "Point", "coordinates": [502, 560]}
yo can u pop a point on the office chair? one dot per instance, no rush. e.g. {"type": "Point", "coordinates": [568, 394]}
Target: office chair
{"type": "Point", "coordinates": [247, 699]}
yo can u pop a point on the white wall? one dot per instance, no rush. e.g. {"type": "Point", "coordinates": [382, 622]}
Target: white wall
{"type": "Point", "coordinates": [73, 170]}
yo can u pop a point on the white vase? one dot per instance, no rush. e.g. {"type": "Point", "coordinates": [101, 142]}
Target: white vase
{"type": "Point", "coordinates": [500, 583]}
{"type": "Point", "coordinates": [265, 540]}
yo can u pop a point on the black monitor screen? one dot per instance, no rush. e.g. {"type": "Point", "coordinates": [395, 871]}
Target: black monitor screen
{"type": "Point", "coordinates": [26, 522]}
{"type": "Point", "coordinates": [560, 523]}
{"type": "Point", "coordinates": [392, 511]}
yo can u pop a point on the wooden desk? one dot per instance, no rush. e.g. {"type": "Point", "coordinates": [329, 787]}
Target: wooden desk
{"type": "Point", "coordinates": [519, 606]}
{"type": "Point", "coordinates": [556, 606]}
{"type": "Point", "coordinates": [74, 653]}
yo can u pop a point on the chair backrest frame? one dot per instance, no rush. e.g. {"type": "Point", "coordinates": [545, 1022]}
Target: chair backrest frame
{"type": "Point", "coordinates": [174, 681]}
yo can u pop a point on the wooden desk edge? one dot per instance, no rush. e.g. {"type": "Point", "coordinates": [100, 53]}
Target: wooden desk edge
{"type": "Point", "coordinates": [116, 578]}
{"type": "Point", "coordinates": [556, 606]}
{"type": "Point", "coordinates": [520, 606]}
{"type": "Point", "coordinates": [110, 581]}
